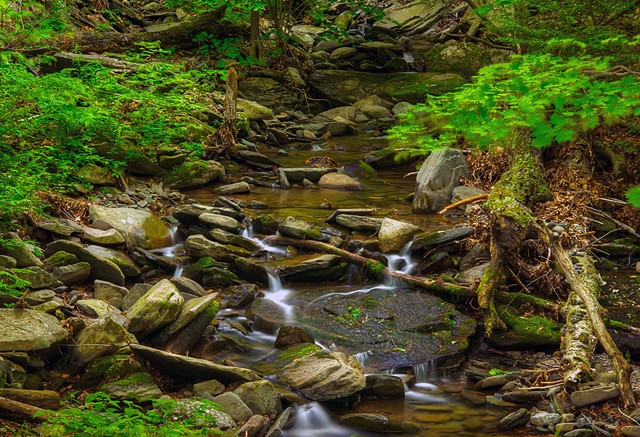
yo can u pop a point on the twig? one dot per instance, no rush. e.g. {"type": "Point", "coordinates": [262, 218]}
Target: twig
{"type": "Point", "coordinates": [463, 202]}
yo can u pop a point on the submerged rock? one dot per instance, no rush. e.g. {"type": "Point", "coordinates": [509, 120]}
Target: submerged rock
{"type": "Point", "coordinates": [378, 423]}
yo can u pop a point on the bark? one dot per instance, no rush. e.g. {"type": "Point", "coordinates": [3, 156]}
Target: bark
{"type": "Point", "coordinates": [377, 269]}
{"type": "Point", "coordinates": [594, 312]}
{"type": "Point", "coordinates": [47, 399]}
{"type": "Point", "coordinates": [493, 279]}
{"type": "Point", "coordinates": [255, 48]}
{"type": "Point", "coordinates": [223, 141]}
{"type": "Point", "coordinates": [19, 410]}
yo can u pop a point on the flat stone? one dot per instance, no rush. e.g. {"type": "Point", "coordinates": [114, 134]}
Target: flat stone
{"type": "Point", "coordinates": [583, 398]}
{"type": "Point", "coordinates": [110, 293]}
{"type": "Point", "coordinates": [260, 397]}
{"type": "Point", "coordinates": [339, 181]}
{"type": "Point", "coordinates": [110, 237]}
{"type": "Point", "coordinates": [544, 419]}
{"type": "Point", "coordinates": [99, 308]}
{"type": "Point", "coordinates": [211, 388]}
{"type": "Point", "coordinates": [514, 420]}
{"type": "Point", "coordinates": [192, 369]}
{"type": "Point", "coordinates": [63, 227]}
{"type": "Point", "coordinates": [236, 188]}
{"type": "Point", "coordinates": [22, 253]}
{"type": "Point", "coordinates": [378, 423]}
{"type": "Point", "coordinates": [233, 406]}
{"type": "Point", "coordinates": [122, 260]}
{"type": "Point", "coordinates": [26, 330]}
{"type": "Point", "coordinates": [72, 274]}
{"type": "Point", "coordinates": [156, 308]}
{"type": "Point", "coordinates": [358, 222]}
{"type": "Point", "coordinates": [220, 221]}
{"type": "Point", "coordinates": [101, 268]}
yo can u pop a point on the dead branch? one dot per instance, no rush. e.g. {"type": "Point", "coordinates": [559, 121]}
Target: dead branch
{"type": "Point", "coordinates": [463, 202]}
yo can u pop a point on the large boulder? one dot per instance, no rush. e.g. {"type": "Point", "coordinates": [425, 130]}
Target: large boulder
{"type": "Point", "coordinates": [23, 253]}
{"type": "Point", "coordinates": [194, 174]}
{"type": "Point", "coordinates": [156, 308]}
{"type": "Point", "coordinates": [253, 110]}
{"type": "Point", "coordinates": [394, 234]}
{"type": "Point", "coordinates": [437, 178]}
{"type": "Point", "coordinates": [413, 17]}
{"type": "Point", "coordinates": [139, 227]}
{"type": "Point", "coordinates": [27, 330]}
{"type": "Point", "coordinates": [461, 57]}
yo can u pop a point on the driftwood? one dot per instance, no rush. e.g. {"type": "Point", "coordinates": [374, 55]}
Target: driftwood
{"type": "Point", "coordinates": [19, 410]}
{"type": "Point", "coordinates": [594, 311]}
{"type": "Point", "coordinates": [47, 399]}
{"type": "Point", "coordinates": [377, 269]}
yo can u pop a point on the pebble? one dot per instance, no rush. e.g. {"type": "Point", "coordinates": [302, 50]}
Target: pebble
{"type": "Point", "coordinates": [564, 427]}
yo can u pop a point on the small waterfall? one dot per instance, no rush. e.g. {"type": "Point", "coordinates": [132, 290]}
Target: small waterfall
{"type": "Point", "coordinates": [279, 294]}
{"type": "Point", "coordinates": [249, 234]}
{"type": "Point", "coordinates": [402, 261]}
{"type": "Point", "coordinates": [312, 420]}
{"type": "Point", "coordinates": [362, 357]}
{"type": "Point", "coordinates": [425, 372]}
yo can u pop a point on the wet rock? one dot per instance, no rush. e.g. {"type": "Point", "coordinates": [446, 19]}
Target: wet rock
{"type": "Point", "coordinates": [224, 237]}
{"type": "Point", "coordinates": [312, 268]}
{"type": "Point", "coordinates": [298, 174]}
{"type": "Point", "coordinates": [233, 406]}
{"type": "Point", "coordinates": [192, 369]}
{"type": "Point", "coordinates": [242, 295]}
{"type": "Point", "coordinates": [37, 277]}
{"type": "Point", "coordinates": [188, 214]}
{"type": "Point", "coordinates": [128, 221]}
{"type": "Point", "coordinates": [384, 386]}
{"type": "Point", "coordinates": [583, 398]}
{"type": "Point", "coordinates": [267, 315]}
{"type": "Point", "coordinates": [26, 330]}
{"type": "Point", "coordinates": [293, 227]}
{"type": "Point", "coordinates": [514, 420]}
{"type": "Point", "coordinates": [218, 221]}
{"type": "Point", "coordinates": [497, 380]}
{"type": "Point", "coordinates": [110, 293]}
{"type": "Point", "coordinates": [358, 222]}
{"type": "Point", "coordinates": [122, 260]}
{"type": "Point", "coordinates": [194, 174]}
{"type": "Point", "coordinates": [199, 246]}
{"type": "Point", "coordinates": [544, 419]}
{"type": "Point", "coordinates": [22, 253]}
{"type": "Point", "coordinates": [290, 336]}
{"type": "Point", "coordinates": [438, 238]}
{"type": "Point", "coordinates": [102, 337]}
{"type": "Point", "coordinates": [254, 110]}
{"type": "Point", "coordinates": [339, 181]}
{"type": "Point", "coordinates": [390, 157]}
{"type": "Point", "coordinates": [279, 424]}
{"type": "Point", "coordinates": [266, 224]}
{"type": "Point", "coordinates": [378, 423]}
{"type": "Point", "coordinates": [135, 293]}
{"type": "Point", "coordinates": [394, 234]}
{"type": "Point", "coordinates": [236, 188]}
{"type": "Point", "coordinates": [157, 307]}
{"type": "Point", "coordinates": [189, 312]}
{"type": "Point", "coordinates": [437, 178]}
{"type": "Point", "coordinates": [250, 270]}
{"type": "Point", "coordinates": [137, 387]}
{"type": "Point", "coordinates": [110, 237]}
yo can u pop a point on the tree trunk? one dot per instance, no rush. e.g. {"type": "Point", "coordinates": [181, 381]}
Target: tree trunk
{"type": "Point", "coordinates": [223, 141]}
{"type": "Point", "coordinates": [255, 48]}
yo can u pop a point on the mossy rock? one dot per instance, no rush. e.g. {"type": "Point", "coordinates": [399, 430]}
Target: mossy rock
{"type": "Point", "coordinates": [533, 330]}
{"type": "Point", "coordinates": [194, 174]}
{"type": "Point", "coordinates": [279, 359]}
{"type": "Point", "coordinates": [110, 367]}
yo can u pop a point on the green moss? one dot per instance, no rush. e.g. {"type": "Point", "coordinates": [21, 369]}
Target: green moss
{"type": "Point", "coordinates": [212, 309]}
{"type": "Point", "coordinates": [375, 268]}
{"type": "Point", "coordinates": [135, 379]}
{"type": "Point", "coordinates": [299, 351]}
{"type": "Point", "coordinates": [535, 327]}
{"type": "Point", "coordinates": [185, 171]}
{"type": "Point", "coordinates": [267, 219]}
{"type": "Point", "coordinates": [312, 234]}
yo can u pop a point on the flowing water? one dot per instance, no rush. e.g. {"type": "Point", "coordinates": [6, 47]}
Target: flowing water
{"type": "Point", "coordinates": [432, 398]}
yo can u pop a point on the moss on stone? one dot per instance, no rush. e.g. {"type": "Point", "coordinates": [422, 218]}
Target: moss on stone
{"type": "Point", "coordinates": [299, 351]}
{"type": "Point", "coordinates": [535, 327]}
{"type": "Point", "coordinates": [312, 233]}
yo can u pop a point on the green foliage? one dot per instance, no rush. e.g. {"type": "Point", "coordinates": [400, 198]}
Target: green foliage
{"type": "Point", "coordinates": [31, 21]}
{"type": "Point", "coordinates": [50, 124]}
{"type": "Point", "coordinates": [495, 372]}
{"type": "Point", "coordinates": [633, 196]}
{"type": "Point", "coordinates": [100, 415]}
{"type": "Point", "coordinates": [227, 49]}
{"type": "Point", "coordinates": [555, 98]}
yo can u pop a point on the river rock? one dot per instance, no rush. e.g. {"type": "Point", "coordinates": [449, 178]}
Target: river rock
{"type": "Point", "coordinates": [267, 315]}
{"type": "Point", "coordinates": [188, 214]}
{"type": "Point", "coordinates": [392, 157]}
{"type": "Point", "coordinates": [260, 396]}
{"type": "Point", "coordinates": [384, 386]}
{"type": "Point", "coordinates": [192, 369]}
{"type": "Point", "coordinates": [194, 174]}
{"type": "Point", "coordinates": [461, 57]}
{"type": "Point", "coordinates": [544, 419]}
{"type": "Point", "coordinates": [323, 375]}
{"type": "Point", "coordinates": [189, 286]}
{"type": "Point", "coordinates": [290, 336]}
{"type": "Point", "coordinates": [27, 330]}
{"type": "Point", "coordinates": [102, 337]}
{"type": "Point", "coordinates": [378, 423]}
{"type": "Point", "coordinates": [394, 234]}
{"type": "Point", "coordinates": [199, 246]}
{"type": "Point", "coordinates": [37, 277]}
{"type": "Point", "coordinates": [23, 253]}
{"type": "Point", "coordinates": [8, 262]}
{"type": "Point", "coordinates": [122, 260]}
{"type": "Point", "coordinates": [427, 240]}
{"type": "Point", "coordinates": [376, 111]}
{"type": "Point", "coordinates": [232, 405]}
{"type": "Point", "coordinates": [270, 93]}
{"type": "Point", "coordinates": [63, 227]}
{"type": "Point", "coordinates": [298, 174]}
{"type": "Point", "coordinates": [236, 188]}
{"type": "Point", "coordinates": [136, 292]}
{"type": "Point", "coordinates": [219, 221]}
{"type": "Point", "coordinates": [138, 387]}
{"type": "Point", "coordinates": [209, 389]}
{"type": "Point", "coordinates": [110, 293]}
{"type": "Point", "coordinates": [252, 271]}
{"type": "Point", "coordinates": [225, 237]}
{"type": "Point", "coordinates": [256, 426]}
{"type": "Point", "coordinates": [254, 110]}
{"type": "Point", "coordinates": [190, 311]}
{"type": "Point", "coordinates": [339, 181]}
{"type": "Point", "coordinates": [293, 227]}
{"type": "Point", "coordinates": [110, 237]}
{"type": "Point", "coordinates": [583, 398]}
{"type": "Point", "coordinates": [242, 295]}
{"type": "Point", "coordinates": [59, 259]}
{"type": "Point", "coordinates": [359, 223]}
{"type": "Point", "coordinates": [312, 268]}
{"type": "Point", "coordinates": [514, 420]}
{"type": "Point", "coordinates": [437, 178]}
{"type": "Point", "coordinates": [413, 17]}
{"type": "Point", "coordinates": [98, 308]}
{"type": "Point", "coordinates": [158, 307]}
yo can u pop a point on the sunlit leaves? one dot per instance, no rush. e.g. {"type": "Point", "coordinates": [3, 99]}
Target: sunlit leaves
{"type": "Point", "coordinates": [633, 196]}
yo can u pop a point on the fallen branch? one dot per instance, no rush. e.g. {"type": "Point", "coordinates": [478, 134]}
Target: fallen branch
{"type": "Point", "coordinates": [15, 409]}
{"type": "Point", "coordinates": [376, 268]}
{"type": "Point", "coordinates": [594, 311]}
{"type": "Point", "coordinates": [463, 202]}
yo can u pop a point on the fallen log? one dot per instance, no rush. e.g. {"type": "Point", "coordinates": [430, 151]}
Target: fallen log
{"type": "Point", "coordinates": [46, 399]}
{"type": "Point", "coordinates": [594, 312]}
{"type": "Point", "coordinates": [11, 409]}
{"type": "Point", "coordinates": [377, 269]}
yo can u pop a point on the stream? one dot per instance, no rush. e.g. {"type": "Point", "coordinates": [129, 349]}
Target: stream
{"type": "Point", "coordinates": [432, 396]}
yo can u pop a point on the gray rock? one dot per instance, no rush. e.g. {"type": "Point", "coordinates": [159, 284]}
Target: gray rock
{"type": "Point", "coordinates": [236, 188]}
{"type": "Point", "coordinates": [135, 293]}
{"type": "Point", "coordinates": [224, 237]}
{"type": "Point", "coordinates": [579, 433]}
{"type": "Point", "coordinates": [109, 293]}
{"type": "Point", "coordinates": [219, 221]}
{"type": "Point", "coordinates": [472, 274]}
{"type": "Point", "coordinates": [496, 381]}
{"type": "Point", "coordinates": [242, 295]}
{"type": "Point", "coordinates": [122, 260]}
{"type": "Point", "coordinates": [359, 223]}
{"type": "Point", "coordinates": [7, 262]}
{"type": "Point", "coordinates": [37, 277]}
{"type": "Point", "coordinates": [438, 238]}
{"type": "Point", "coordinates": [188, 214]}
{"type": "Point", "coordinates": [267, 315]}
{"type": "Point", "coordinates": [210, 388]}
{"type": "Point", "coordinates": [72, 274]}
{"type": "Point", "coordinates": [298, 174]}
{"type": "Point", "coordinates": [23, 253]}
{"type": "Point", "coordinates": [192, 369]}
{"type": "Point", "coordinates": [293, 227]}
{"type": "Point", "coordinates": [252, 271]}
{"type": "Point", "coordinates": [254, 110]}
{"type": "Point", "coordinates": [260, 397]}
{"type": "Point", "coordinates": [565, 427]}
{"type": "Point", "coordinates": [110, 237]}
{"type": "Point", "coordinates": [100, 268]}
{"type": "Point", "coordinates": [59, 259]}
{"type": "Point", "coordinates": [168, 162]}
{"type": "Point", "coordinates": [256, 426]}
{"type": "Point", "coordinates": [233, 406]}
{"type": "Point", "coordinates": [190, 311]}
{"type": "Point", "coordinates": [384, 386]}
{"type": "Point", "coordinates": [583, 398]}
{"type": "Point", "coordinates": [128, 221]}
{"type": "Point", "coordinates": [461, 57]}
{"type": "Point", "coordinates": [313, 268]}
{"type": "Point", "coordinates": [324, 376]}
{"type": "Point", "coordinates": [102, 337]}
{"type": "Point", "coordinates": [279, 424]}
{"type": "Point", "coordinates": [437, 178]}
{"type": "Point", "coordinates": [394, 234]}
{"type": "Point", "coordinates": [194, 174]}
{"type": "Point", "coordinates": [156, 308]}
{"type": "Point", "coordinates": [100, 308]}
{"type": "Point", "coordinates": [378, 423]}
{"type": "Point", "coordinates": [544, 419]}
{"type": "Point", "coordinates": [401, 108]}
{"type": "Point", "coordinates": [376, 111]}
{"type": "Point", "coordinates": [199, 246]}
{"type": "Point", "coordinates": [342, 53]}
{"type": "Point", "coordinates": [137, 387]}
{"type": "Point", "coordinates": [64, 227]}
{"type": "Point", "coordinates": [514, 420]}
{"type": "Point", "coordinates": [26, 330]}
{"type": "Point", "coordinates": [334, 114]}
{"type": "Point", "coordinates": [339, 181]}
{"type": "Point", "coordinates": [391, 157]}
{"type": "Point", "coordinates": [186, 285]}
